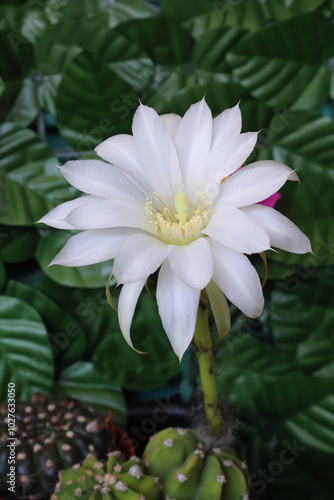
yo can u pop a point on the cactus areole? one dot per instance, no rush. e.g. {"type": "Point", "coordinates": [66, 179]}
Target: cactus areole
{"type": "Point", "coordinates": [52, 434]}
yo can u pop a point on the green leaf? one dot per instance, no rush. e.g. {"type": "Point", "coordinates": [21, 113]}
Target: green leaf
{"type": "Point", "coordinates": [67, 338]}
{"type": "Point", "coordinates": [282, 398]}
{"type": "Point", "coordinates": [284, 9]}
{"type": "Point", "coordinates": [185, 9]}
{"type": "Point", "coordinates": [164, 41]}
{"type": "Point", "coordinates": [2, 277]}
{"type": "Point", "coordinates": [302, 315]}
{"type": "Point", "coordinates": [304, 142]}
{"type": "Point", "coordinates": [17, 244]}
{"type": "Point", "coordinates": [211, 48]}
{"type": "Point", "coordinates": [314, 426]}
{"type": "Point", "coordinates": [82, 381]}
{"type": "Point", "coordinates": [90, 87]}
{"type": "Point", "coordinates": [93, 276]}
{"type": "Point", "coordinates": [241, 14]}
{"type": "Point", "coordinates": [282, 66]}
{"type": "Point", "coordinates": [31, 185]}
{"type": "Point", "coordinates": [138, 371]}
{"type": "Point", "coordinates": [18, 102]}
{"type": "Point", "coordinates": [243, 364]}
{"type": "Point", "coordinates": [25, 353]}
{"type": "Point", "coordinates": [177, 91]}
{"type": "Point", "coordinates": [88, 306]}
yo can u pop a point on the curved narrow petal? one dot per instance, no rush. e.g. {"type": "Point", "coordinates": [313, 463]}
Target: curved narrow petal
{"type": "Point", "coordinates": [120, 150]}
{"type": "Point", "coordinates": [107, 214]}
{"type": "Point", "coordinates": [172, 121]}
{"type": "Point", "coordinates": [126, 307]}
{"type": "Point", "coordinates": [139, 255]}
{"type": "Point", "coordinates": [226, 124]}
{"type": "Point", "coordinates": [282, 232]}
{"type": "Point", "coordinates": [236, 230]}
{"type": "Point", "coordinates": [192, 141]}
{"type": "Point", "coordinates": [254, 183]}
{"type": "Point", "coordinates": [192, 263]}
{"type": "Point", "coordinates": [237, 279]}
{"type": "Point", "coordinates": [91, 247]}
{"type": "Point", "coordinates": [220, 310]}
{"type": "Point", "coordinates": [56, 217]}
{"type": "Point", "coordinates": [156, 151]}
{"type": "Point", "coordinates": [178, 304]}
{"type": "Point", "coordinates": [230, 155]}
{"type": "Point", "coordinates": [101, 179]}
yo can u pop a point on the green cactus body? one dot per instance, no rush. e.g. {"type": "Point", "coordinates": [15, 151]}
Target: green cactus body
{"type": "Point", "coordinates": [194, 471]}
{"type": "Point", "coordinates": [112, 480]}
{"type": "Point", "coordinates": [52, 435]}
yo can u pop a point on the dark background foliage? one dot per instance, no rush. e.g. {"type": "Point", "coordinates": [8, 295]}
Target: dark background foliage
{"type": "Point", "coordinates": [71, 74]}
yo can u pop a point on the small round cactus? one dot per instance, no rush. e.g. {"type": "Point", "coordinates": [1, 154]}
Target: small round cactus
{"type": "Point", "coordinates": [110, 480]}
{"type": "Point", "coordinates": [188, 470]}
{"type": "Point", "coordinates": [51, 435]}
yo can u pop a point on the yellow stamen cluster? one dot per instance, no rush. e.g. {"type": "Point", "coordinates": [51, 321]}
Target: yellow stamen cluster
{"type": "Point", "coordinates": [171, 224]}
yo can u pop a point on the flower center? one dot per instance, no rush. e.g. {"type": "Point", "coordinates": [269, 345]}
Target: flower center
{"type": "Point", "coordinates": [176, 225]}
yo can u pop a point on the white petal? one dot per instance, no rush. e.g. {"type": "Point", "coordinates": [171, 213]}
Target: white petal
{"type": "Point", "coordinates": [178, 304]}
{"type": "Point", "coordinates": [231, 228]}
{"type": "Point", "coordinates": [56, 217]}
{"type": "Point", "coordinates": [101, 179]}
{"type": "Point", "coordinates": [227, 124]}
{"type": "Point", "coordinates": [139, 256]}
{"type": "Point", "coordinates": [172, 121]}
{"type": "Point", "coordinates": [108, 214]}
{"type": "Point", "coordinates": [126, 307]}
{"type": "Point", "coordinates": [120, 150]}
{"type": "Point", "coordinates": [230, 155]}
{"type": "Point", "coordinates": [220, 309]}
{"type": "Point", "coordinates": [156, 151]}
{"type": "Point", "coordinates": [192, 141]}
{"type": "Point", "coordinates": [238, 279]}
{"type": "Point", "coordinates": [254, 183]}
{"type": "Point", "coordinates": [192, 263]}
{"type": "Point", "coordinates": [90, 247]}
{"type": "Point", "coordinates": [282, 232]}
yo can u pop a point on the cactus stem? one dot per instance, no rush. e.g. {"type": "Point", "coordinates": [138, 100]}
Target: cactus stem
{"type": "Point", "coordinates": [203, 343]}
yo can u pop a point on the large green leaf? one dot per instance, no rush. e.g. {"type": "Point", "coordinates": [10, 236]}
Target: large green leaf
{"type": "Point", "coordinates": [88, 306]}
{"type": "Point", "coordinates": [241, 14]}
{"type": "Point", "coordinates": [17, 244]}
{"type": "Point", "coordinates": [164, 41]}
{"type": "Point", "coordinates": [67, 338]}
{"type": "Point", "coordinates": [96, 92]}
{"type": "Point", "coordinates": [138, 371]}
{"type": "Point", "coordinates": [18, 102]}
{"type": "Point", "coordinates": [93, 276]}
{"type": "Point", "coordinates": [315, 425]}
{"type": "Point", "coordinates": [83, 382]}
{"type": "Point", "coordinates": [302, 317]}
{"type": "Point", "coordinates": [304, 141]}
{"type": "Point", "coordinates": [284, 9]}
{"type": "Point", "coordinates": [211, 48]}
{"type": "Point", "coordinates": [282, 66]}
{"type": "Point", "coordinates": [177, 91]}
{"type": "Point", "coordinates": [30, 183]}
{"type": "Point", "coordinates": [184, 10]}
{"type": "Point", "coordinates": [58, 45]}
{"type": "Point", "coordinates": [25, 352]}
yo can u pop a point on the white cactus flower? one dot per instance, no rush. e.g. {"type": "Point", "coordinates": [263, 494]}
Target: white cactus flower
{"type": "Point", "coordinates": [160, 201]}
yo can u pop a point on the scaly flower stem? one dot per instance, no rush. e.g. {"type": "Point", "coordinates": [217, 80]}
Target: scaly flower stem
{"type": "Point", "coordinates": [203, 343]}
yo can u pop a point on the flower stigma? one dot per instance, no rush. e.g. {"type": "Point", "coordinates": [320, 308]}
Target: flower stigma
{"type": "Point", "coordinates": [178, 224]}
